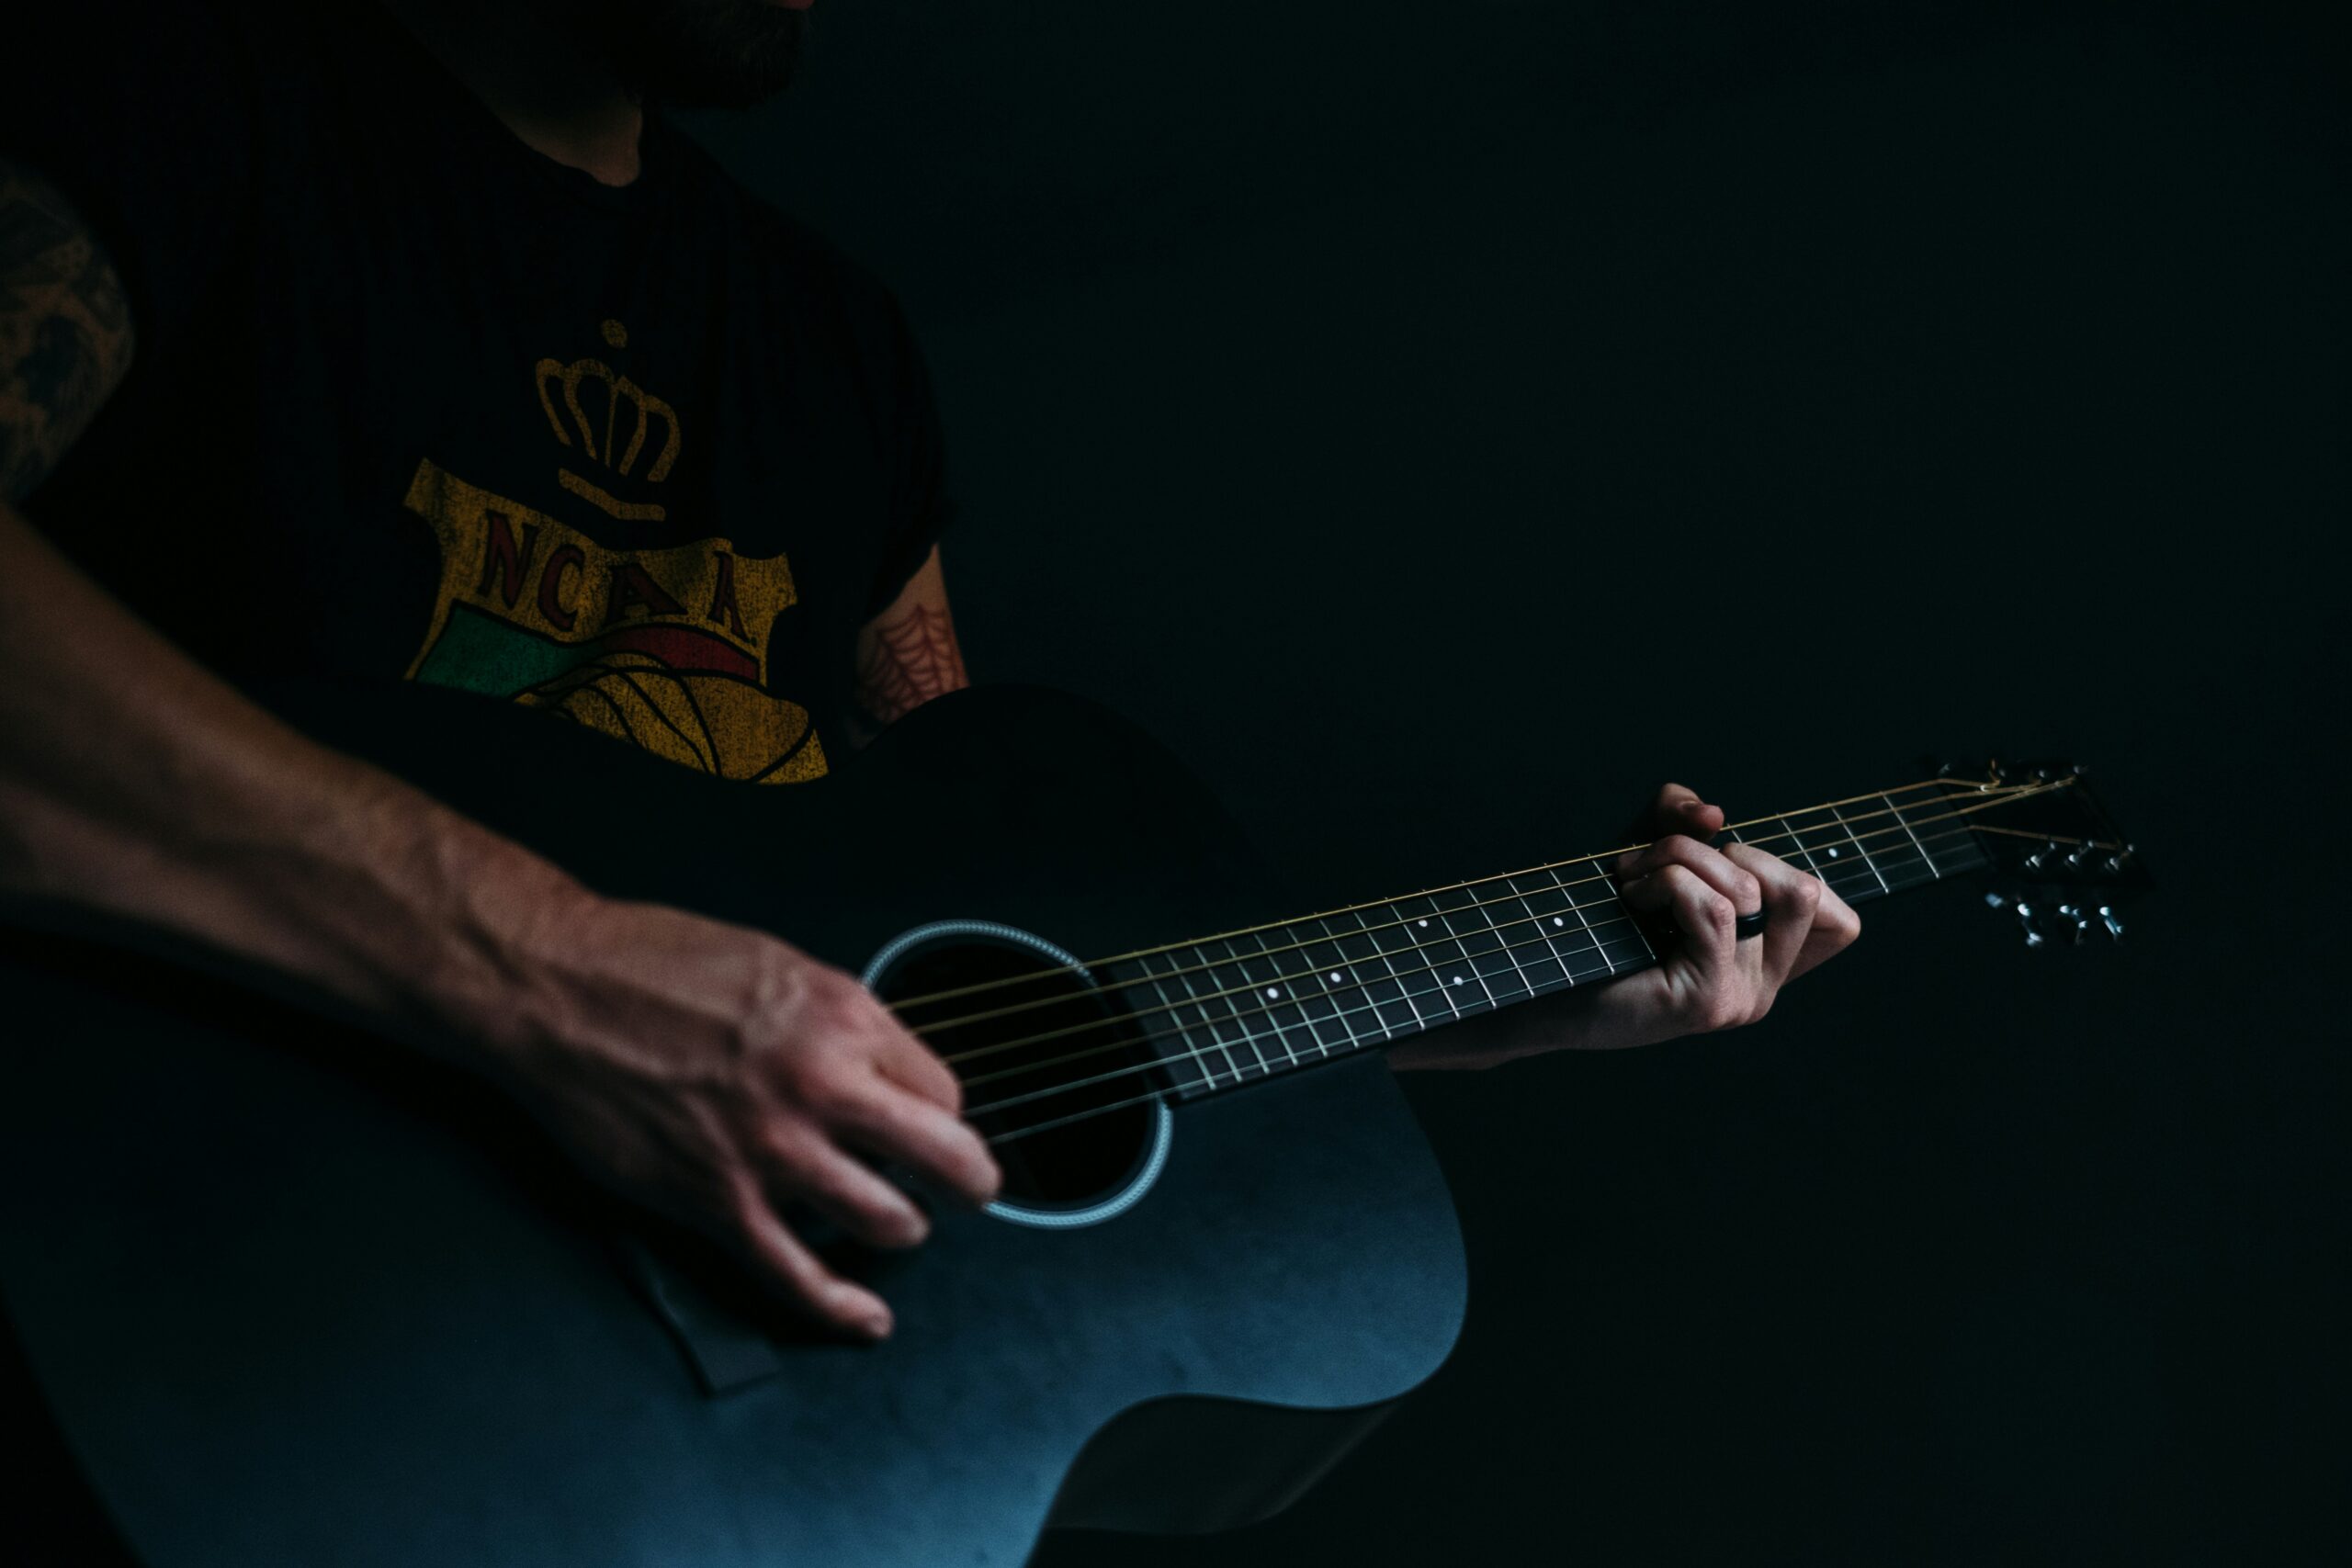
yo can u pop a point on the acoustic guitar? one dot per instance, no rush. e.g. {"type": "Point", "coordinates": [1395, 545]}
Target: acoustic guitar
{"type": "Point", "coordinates": [297, 1296]}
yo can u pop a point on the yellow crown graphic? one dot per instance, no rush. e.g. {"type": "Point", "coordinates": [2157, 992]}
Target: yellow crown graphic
{"type": "Point", "coordinates": [621, 446]}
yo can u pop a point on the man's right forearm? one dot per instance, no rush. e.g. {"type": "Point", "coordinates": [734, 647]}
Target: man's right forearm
{"type": "Point", "coordinates": [136, 784]}
{"type": "Point", "coordinates": [710, 1072]}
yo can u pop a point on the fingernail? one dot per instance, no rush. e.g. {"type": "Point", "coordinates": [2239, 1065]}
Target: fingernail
{"type": "Point", "coordinates": [876, 1326]}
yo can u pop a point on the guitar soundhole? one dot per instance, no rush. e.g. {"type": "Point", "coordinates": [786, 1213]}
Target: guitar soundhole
{"type": "Point", "coordinates": [1042, 1056]}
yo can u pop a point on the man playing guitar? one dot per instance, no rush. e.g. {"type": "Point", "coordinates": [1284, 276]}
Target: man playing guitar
{"type": "Point", "coordinates": [423, 344]}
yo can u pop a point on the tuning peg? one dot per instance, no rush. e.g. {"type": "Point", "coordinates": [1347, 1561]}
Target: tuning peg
{"type": "Point", "coordinates": [2114, 926]}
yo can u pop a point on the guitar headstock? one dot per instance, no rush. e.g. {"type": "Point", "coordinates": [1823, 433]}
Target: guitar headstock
{"type": "Point", "coordinates": [2062, 869]}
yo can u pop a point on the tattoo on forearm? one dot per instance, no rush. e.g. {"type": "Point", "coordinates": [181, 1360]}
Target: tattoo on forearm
{"type": "Point", "coordinates": [910, 659]}
{"type": "Point", "coordinates": [65, 336]}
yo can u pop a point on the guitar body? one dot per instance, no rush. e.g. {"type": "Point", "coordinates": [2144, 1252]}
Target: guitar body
{"type": "Point", "coordinates": [296, 1297]}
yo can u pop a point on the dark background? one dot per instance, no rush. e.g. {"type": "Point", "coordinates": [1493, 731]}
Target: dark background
{"type": "Point", "coordinates": [1441, 423]}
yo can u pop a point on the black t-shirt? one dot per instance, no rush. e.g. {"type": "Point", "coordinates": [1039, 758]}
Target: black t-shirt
{"type": "Point", "coordinates": [410, 400]}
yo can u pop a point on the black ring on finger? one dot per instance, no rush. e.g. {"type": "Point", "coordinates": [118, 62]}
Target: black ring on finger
{"type": "Point", "coordinates": [1746, 926]}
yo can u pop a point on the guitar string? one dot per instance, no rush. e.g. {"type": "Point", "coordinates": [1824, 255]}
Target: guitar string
{"type": "Point", "coordinates": [2051, 838]}
{"type": "Point", "coordinates": [1837, 824]}
{"type": "Point", "coordinates": [1860, 881]}
{"type": "Point", "coordinates": [1027, 976]}
{"type": "Point", "coordinates": [1447, 888]}
{"type": "Point", "coordinates": [1252, 988]}
{"type": "Point", "coordinates": [1856, 881]}
{"type": "Point", "coordinates": [1151, 1095]}
{"type": "Point", "coordinates": [1858, 878]}
{"type": "Point", "coordinates": [1843, 830]}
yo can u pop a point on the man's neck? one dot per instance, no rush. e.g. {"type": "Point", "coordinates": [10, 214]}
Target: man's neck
{"type": "Point", "coordinates": [548, 87]}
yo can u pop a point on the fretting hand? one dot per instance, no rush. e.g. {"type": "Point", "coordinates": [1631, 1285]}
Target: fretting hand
{"type": "Point", "coordinates": [1709, 976]}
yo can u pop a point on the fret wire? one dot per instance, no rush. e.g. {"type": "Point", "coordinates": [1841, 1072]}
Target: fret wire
{"type": "Point", "coordinates": [1279, 986]}
{"type": "Point", "coordinates": [1797, 838]}
{"type": "Point", "coordinates": [1461, 952]}
{"type": "Point", "coordinates": [1551, 946]}
{"type": "Point", "coordinates": [1432, 984]}
{"type": "Point", "coordinates": [1437, 965]}
{"type": "Point", "coordinates": [1476, 960]}
{"type": "Point", "coordinates": [1200, 1064]}
{"type": "Point", "coordinates": [1873, 864]}
{"type": "Point", "coordinates": [1577, 964]}
{"type": "Point", "coordinates": [1265, 1069]}
{"type": "Point", "coordinates": [1576, 906]}
{"type": "Point", "coordinates": [1403, 990]}
{"type": "Point", "coordinates": [1486, 913]}
{"type": "Point", "coordinates": [1897, 812]}
{"type": "Point", "coordinates": [1340, 966]}
{"type": "Point", "coordinates": [1217, 1036]}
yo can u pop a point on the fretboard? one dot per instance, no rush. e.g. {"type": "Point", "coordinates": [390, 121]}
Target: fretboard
{"type": "Point", "coordinates": [1236, 1008]}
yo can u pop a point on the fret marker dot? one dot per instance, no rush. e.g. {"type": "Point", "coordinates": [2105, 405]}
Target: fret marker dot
{"type": "Point", "coordinates": [1273, 992]}
{"type": "Point", "coordinates": [1335, 980]}
{"type": "Point", "coordinates": [1458, 979]}
{"type": "Point", "coordinates": [1420, 922]}
{"type": "Point", "coordinates": [1833, 854]}
{"type": "Point", "coordinates": [1557, 921]}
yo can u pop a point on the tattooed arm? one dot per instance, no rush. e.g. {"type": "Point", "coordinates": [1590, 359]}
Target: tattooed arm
{"type": "Point", "coordinates": [908, 654]}
{"type": "Point", "coordinates": [710, 1072]}
{"type": "Point", "coordinates": [64, 331]}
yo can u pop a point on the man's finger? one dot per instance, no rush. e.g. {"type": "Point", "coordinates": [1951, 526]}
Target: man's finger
{"type": "Point", "coordinates": [1789, 897]}
{"type": "Point", "coordinates": [899, 1125]}
{"type": "Point", "coordinates": [1727, 878]}
{"type": "Point", "coordinates": [846, 1192]}
{"type": "Point", "coordinates": [907, 1061]}
{"type": "Point", "coordinates": [795, 1273]}
{"type": "Point", "coordinates": [1727, 972]}
{"type": "Point", "coordinates": [1679, 809]}
{"type": "Point", "coordinates": [1699, 913]}
{"type": "Point", "coordinates": [1835, 927]}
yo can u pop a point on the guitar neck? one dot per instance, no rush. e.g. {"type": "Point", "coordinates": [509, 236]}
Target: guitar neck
{"type": "Point", "coordinates": [1246, 1005]}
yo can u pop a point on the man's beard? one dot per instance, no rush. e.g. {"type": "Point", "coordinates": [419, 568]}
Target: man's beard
{"type": "Point", "coordinates": [693, 54]}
